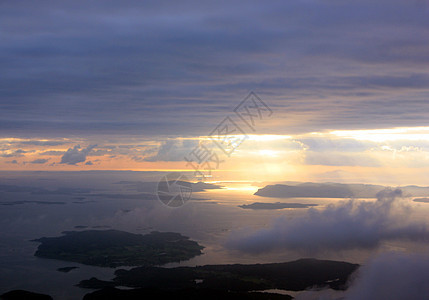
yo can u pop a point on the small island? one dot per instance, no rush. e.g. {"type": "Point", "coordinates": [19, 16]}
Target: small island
{"type": "Point", "coordinates": [114, 248]}
{"type": "Point", "coordinates": [22, 294]}
{"type": "Point", "coordinates": [66, 269]}
{"type": "Point", "coordinates": [421, 200]}
{"type": "Point", "coordinates": [188, 294]}
{"type": "Point", "coordinates": [276, 205]}
{"type": "Point", "coordinates": [31, 201]}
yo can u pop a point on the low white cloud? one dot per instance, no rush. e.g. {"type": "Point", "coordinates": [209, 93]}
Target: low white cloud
{"type": "Point", "coordinates": [348, 225]}
{"type": "Point", "coordinates": [393, 276]}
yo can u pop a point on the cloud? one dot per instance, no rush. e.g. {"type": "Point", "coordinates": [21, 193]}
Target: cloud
{"type": "Point", "coordinates": [393, 276]}
{"type": "Point", "coordinates": [348, 225]}
{"type": "Point", "coordinates": [89, 163]}
{"type": "Point", "coordinates": [179, 71]}
{"type": "Point", "coordinates": [43, 143]}
{"type": "Point", "coordinates": [171, 150]}
{"type": "Point", "coordinates": [39, 161]}
{"type": "Point", "coordinates": [74, 155]}
{"type": "Point", "coordinates": [52, 152]}
{"type": "Point", "coordinates": [389, 275]}
{"type": "Point", "coordinates": [16, 153]}
{"type": "Point", "coordinates": [329, 144]}
{"type": "Point", "coordinates": [340, 159]}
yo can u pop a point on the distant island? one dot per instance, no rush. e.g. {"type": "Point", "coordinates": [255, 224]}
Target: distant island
{"type": "Point", "coordinates": [113, 248]}
{"type": "Point", "coordinates": [202, 186]}
{"type": "Point", "coordinates": [31, 201]}
{"type": "Point", "coordinates": [276, 205]}
{"type": "Point", "coordinates": [66, 269]}
{"type": "Point", "coordinates": [149, 186]}
{"type": "Point", "coordinates": [421, 200]}
{"type": "Point", "coordinates": [21, 294]}
{"type": "Point", "coordinates": [84, 202]}
{"type": "Point", "coordinates": [334, 190]}
{"type": "Point", "coordinates": [296, 276]}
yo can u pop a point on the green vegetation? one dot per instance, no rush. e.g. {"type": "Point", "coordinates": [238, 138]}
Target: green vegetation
{"type": "Point", "coordinates": [113, 248]}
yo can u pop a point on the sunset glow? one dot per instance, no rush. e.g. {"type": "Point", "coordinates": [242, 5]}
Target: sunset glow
{"type": "Point", "coordinates": [214, 149]}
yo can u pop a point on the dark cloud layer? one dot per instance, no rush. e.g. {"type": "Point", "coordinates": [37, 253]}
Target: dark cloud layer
{"type": "Point", "coordinates": [147, 68]}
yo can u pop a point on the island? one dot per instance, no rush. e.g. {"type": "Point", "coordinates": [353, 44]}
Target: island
{"type": "Point", "coordinates": [148, 186]}
{"type": "Point", "coordinates": [203, 186]}
{"type": "Point", "coordinates": [276, 205]}
{"type": "Point", "coordinates": [334, 190]}
{"type": "Point", "coordinates": [21, 294]}
{"type": "Point", "coordinates": [188, 294]}
{"type": "Point", "coordinates": [114, 248]}
{"type": "Point", "coordinates": [421, 200]}
{"type": "Point", "coordinates": [31, 201]}
{"type": "Point", "coordinates": [295, 276]}
{"type": "Point", "coordinates": [66, 269]}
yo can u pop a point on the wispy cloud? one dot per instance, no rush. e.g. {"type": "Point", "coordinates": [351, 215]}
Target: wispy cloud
{"type": "Point", "coordinates": [39, 161]}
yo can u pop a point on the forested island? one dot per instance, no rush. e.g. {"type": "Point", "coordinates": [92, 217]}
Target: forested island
{"type": "Point", "coordinates": [296, 276]}
{"type": "Point", "coordinates": [113, 248]}
{"type": "Point", "coordinates": [188, 294]}
{"type": "Point", "coordinates": [276, 205]}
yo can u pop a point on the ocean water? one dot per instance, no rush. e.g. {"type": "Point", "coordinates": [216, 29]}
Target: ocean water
{"type": "Point", "coordinates": [37, 204]}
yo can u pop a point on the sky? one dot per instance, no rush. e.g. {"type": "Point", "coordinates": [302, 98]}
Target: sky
{"type": "Point", "coordinates": [139, 85]}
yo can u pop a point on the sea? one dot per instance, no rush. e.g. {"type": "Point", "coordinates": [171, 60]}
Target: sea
{"type": "Point", "coordinates": [45, 204]}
